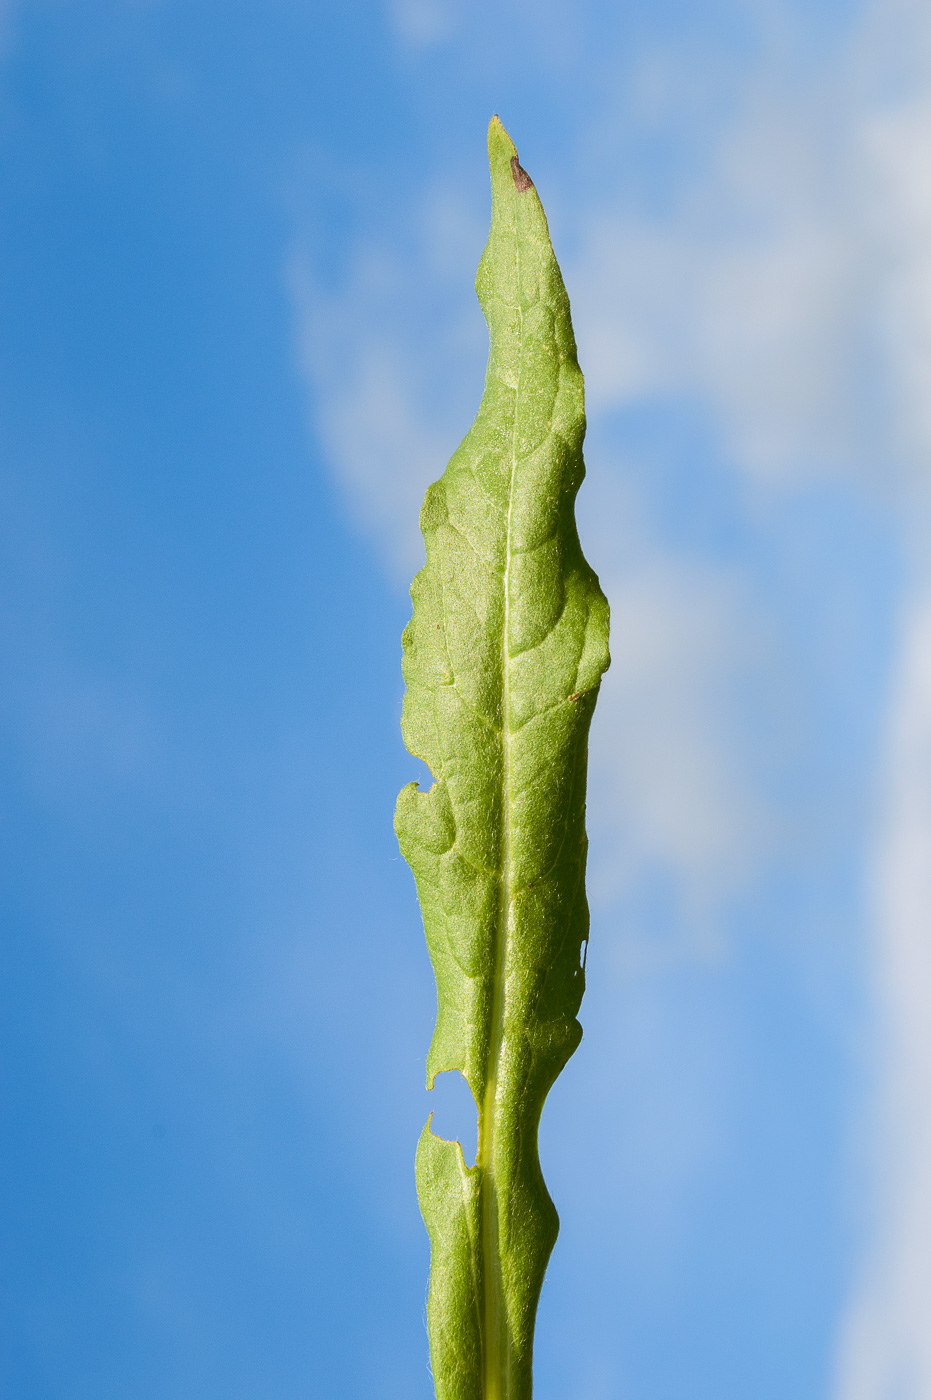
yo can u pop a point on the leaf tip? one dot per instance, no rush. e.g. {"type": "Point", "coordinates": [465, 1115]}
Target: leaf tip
{"type": "Point", "coordinates": [503, 153]}
{"type": "Point", "coordinates": [500, 144]}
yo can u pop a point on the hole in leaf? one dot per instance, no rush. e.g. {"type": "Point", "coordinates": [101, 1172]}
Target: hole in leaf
{"type": "Point", "coordinates": [421, 775]}
{"type": "Point", "coordinates": [583, 954]}
{"type": "Point", "coordinates": [455, 1116]}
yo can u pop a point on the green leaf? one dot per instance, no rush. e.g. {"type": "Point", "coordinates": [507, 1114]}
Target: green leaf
{"type": "Point", "coordinates": [502, 658]}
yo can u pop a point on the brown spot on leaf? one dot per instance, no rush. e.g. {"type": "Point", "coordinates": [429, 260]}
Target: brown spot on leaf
{"type": "Point", "coordinates": [521, 179]}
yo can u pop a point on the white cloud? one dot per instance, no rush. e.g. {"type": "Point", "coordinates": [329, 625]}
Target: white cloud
{"type": "Point", "coordinates": [897, 144]}
{"type": "Point", "coordinates": [812, 338]}
{"type": "Point", "coordinates": [393, 359]}
{"type": "Point", "coordinates": [757, 294]}
{"type": "Point", "coordinates": [669, 793]}
{"type": "Point", "coordinates": [886, 1341]}
{"type": "Point", "coordinates": [422, 23]}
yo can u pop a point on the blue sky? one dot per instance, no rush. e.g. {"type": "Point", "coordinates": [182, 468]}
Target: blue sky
{"type": "Point", "coordinates": [239, 338]}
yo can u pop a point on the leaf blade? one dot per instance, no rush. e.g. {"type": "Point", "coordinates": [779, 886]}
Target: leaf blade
{"type": "Point", "coordinates": [502, 658]}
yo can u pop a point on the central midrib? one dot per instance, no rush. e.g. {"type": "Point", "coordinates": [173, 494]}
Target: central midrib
{"type": "Point", "coordinates": [497, 1334]}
